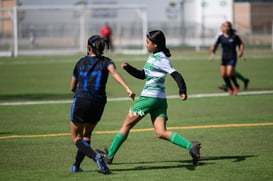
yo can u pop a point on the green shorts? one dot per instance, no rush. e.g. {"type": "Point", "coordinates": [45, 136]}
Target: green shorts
{"type": "Point", "coordinates": [155, 106]}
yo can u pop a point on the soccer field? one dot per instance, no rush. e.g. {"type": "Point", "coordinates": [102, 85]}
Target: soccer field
{"type": "Point", "coordinates": [236, 131]}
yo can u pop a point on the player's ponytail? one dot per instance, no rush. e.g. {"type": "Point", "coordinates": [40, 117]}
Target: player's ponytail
{"type": "Point", "coordinates": [158, 37]}
{"type": "Point", "coordinates": [98, 44]}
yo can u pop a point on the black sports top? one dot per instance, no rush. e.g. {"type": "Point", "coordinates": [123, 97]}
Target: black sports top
{"type": "Point", "coordinates": [229, 45]}
{"type": "Point", "coordinates": [92, 75]}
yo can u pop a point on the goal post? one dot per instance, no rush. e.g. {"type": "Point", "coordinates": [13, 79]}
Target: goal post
{"type": "Point", "coordinates": [49, 30]}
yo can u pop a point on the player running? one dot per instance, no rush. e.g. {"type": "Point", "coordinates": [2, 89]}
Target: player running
{"type": "Point", "coordinates": [88, 82]}
{"type": "Point", "coordinates": [237, 74]}
{"type": "Point", "coordinates": [153, 98]}
{"type": "Point", "coordinates": [229, 42]}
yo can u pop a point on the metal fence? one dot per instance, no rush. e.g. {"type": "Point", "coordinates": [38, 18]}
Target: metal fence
{"type": "Point", "coordinates": [65, 29]}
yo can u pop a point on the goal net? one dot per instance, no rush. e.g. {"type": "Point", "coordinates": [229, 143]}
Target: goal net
{"type": "Point", "coordinates": [49, 30]}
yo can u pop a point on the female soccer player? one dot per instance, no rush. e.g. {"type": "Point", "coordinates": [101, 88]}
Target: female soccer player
{"type": "Point", "coordinates": [229, 42]}
{"type": "Point", "coordinates": [153, 97]}
{"type": "Point", "coordinates": [88, 82]}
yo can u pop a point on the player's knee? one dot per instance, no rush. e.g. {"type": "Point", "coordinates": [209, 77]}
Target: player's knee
{"type": "Point", "coordinates": [75, 139]}
{"type": "Point", "coordinates": [86, 138]}
{"type": "Point", "coordinates": [161, 134]}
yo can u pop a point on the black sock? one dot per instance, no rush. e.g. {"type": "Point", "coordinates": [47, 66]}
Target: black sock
{"type": "Point", "coordinates": [234, 80]}
{"type": "Point", "coordinates": [226, 79]}
{"type": "Point", "coordinates": [80, 156]}
{"type": "Point", "coordinates": [85, 148]}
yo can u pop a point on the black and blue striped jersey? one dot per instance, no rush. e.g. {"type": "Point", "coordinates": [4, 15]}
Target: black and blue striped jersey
{"type": "Point", "coordinates": [92, 75]}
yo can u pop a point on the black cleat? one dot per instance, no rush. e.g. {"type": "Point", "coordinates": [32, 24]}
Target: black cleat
{"type": "Point", "coordinates": [223, 87]}
{"type": "Point", "coordinates": [246, 84]}
{"type": "Point", "coordinates": [101, 164]}
{"type": "Point", "coordinates": [105, 154]}
{"type": "Point", "coordinates": [195, 152]}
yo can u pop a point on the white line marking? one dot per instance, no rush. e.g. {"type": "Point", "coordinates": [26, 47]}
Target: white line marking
{"type": "Point", "coordinates": [127, 98]}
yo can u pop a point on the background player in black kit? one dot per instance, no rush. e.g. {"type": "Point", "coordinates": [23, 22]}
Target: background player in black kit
{"type": "Point", "coordinates": [88, 83]}
{"type": "Point", "coordinates": [229, 42]}
{"type": "Point", "coordinates": [238, 75]}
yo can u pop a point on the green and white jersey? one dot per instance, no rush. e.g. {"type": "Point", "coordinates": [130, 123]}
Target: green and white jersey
{"type": "Point", "coordinates": [156, 69]}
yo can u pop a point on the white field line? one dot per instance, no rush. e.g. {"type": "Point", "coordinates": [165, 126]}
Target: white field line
{"type": "Point", "coordinates": [125, 59]}
{"type": "Point", "coordinates": [127, 98]}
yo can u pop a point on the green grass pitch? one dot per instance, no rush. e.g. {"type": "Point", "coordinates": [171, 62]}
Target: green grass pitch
{"type": "Point", "coordinates": [228, 153]}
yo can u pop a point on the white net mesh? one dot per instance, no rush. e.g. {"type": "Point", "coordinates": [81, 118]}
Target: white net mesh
{"type": "Point", "coordinates": [65, 29]}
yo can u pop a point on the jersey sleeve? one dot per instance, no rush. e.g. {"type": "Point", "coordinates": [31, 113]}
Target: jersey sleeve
{"type": "Point", "coordinates": [110, 62]}
{"type": "Point", "coordinates": [166, 66]}
{"type": "Point", "coordinates": [218, 40]}
{"type": "Point", "coordinates": [75, 73]}
{"type": "Point", "coordinates": [238, 40]}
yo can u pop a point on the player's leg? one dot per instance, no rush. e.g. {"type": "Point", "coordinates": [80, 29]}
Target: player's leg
{"type": "Point", "coordinates": [242, 78]}
{"type": "Point", "coordinates": [232, 75]}
{"type": "Point", "coordinates": [88, 128]}
{"type": "Point", "coordinates": [223, 70]}
{"type": "Point", "coordinates": [130, 121]}
{"type": "Point", "coordinates": [83, 146]}
{"type": "Point", "coordinates": [76, 134]}
{"type": "Point", "coordinates": [162, 133]}
{"type": "Point", "coordinates": [177, 139]}
{"type": "Point", "coordinates": [136, 113]}
{"type": "Point", "coordinates": [77, 138]}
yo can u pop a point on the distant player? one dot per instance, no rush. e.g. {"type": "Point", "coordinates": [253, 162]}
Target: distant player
{"type": "Point", "coordinates": [237, 74]}
{"type": "Point", "coordinates": [229, 42]}
{"type": "Point", "coordinates": [106, 32]}
{"type": "Point", "coordinates": [89, 83]}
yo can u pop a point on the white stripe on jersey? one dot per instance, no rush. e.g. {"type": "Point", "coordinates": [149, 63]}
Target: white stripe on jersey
{"type": "Point", "coordinates": [156, 69]}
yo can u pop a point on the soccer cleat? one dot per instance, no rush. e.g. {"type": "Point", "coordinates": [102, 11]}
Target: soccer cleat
{"type": "Point", "coordinates": [236, 90]}
{"type": "Point", "coordinates": [101, 164]}
{"type": "Point", "coordinates": [106, 158]}
{"type": "Point", "coordinates": [76, 169]}
{"type": "Point", "coordinates": [246, 84]}
{"type": "Point", "coordinates": [230, 92]}
{"type": "Point", "coordinates": [195, 152]}
{"type": "Point", "coordinates": [223, 87]}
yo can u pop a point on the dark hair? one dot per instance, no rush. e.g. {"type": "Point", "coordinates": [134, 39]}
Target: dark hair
{"type": "Point", "coordinates": [230, 26]}
{"type": "Point", "coordinates": [98, 44]}
{"type": "Point", "coordinates": [158, 37]}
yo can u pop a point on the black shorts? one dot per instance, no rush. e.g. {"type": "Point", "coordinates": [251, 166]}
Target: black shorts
{"type": "Point", "coordinates": [231, 62]}
{"type": "Point", "coordinates": [86, 111]}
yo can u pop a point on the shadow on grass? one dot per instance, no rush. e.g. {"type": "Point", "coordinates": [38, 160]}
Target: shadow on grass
{"type": "Point", "coordinates": [7, 133]}
{"type": "Point", "coordinates": [144, 165]}
{"type": "Point", "coordinates": [234, 158]}
{"type": "Point", "coordinates": [188, 164]}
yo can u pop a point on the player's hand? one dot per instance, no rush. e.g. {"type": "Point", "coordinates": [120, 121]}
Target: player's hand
{"type": "Point", "coordinates": [211, 58]}
{"type": "Point", "coordinates": [131, 94]}
{"type": "Point", "coordinates": [241, 55]}
{"type": "Point", "coordinates": [183, 97]}
{"type": "Point", "coordinates": [124, 64]}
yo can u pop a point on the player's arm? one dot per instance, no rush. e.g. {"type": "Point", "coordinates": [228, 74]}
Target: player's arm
{"type": "Point", "coordinates": [140, 74]}
{"type": "Point", "coordinates": [73, 84]}
{"type": "Point", "coordinates": [114, 73]}
{"type": "Point", "coordinates": [213, 49]}
{"type": "Point", "coordinates": [74, 79]}
{"type": "Point", "coordinates": [181, 84]}
{"type": "Point", "coordinates": [241, 49]}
